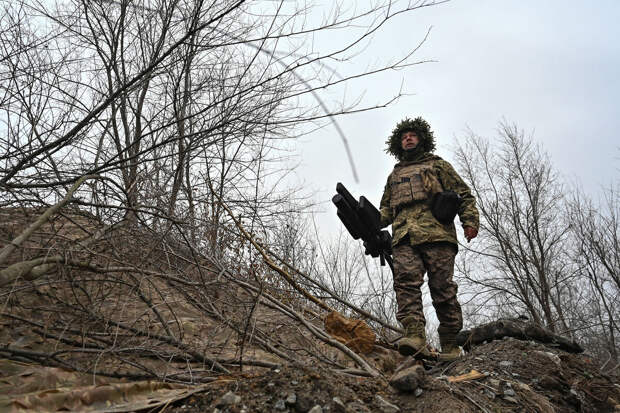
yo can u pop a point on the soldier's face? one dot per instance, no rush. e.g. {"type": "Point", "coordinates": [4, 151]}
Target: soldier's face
{"type": "Point", "coordinates": [409, 140]}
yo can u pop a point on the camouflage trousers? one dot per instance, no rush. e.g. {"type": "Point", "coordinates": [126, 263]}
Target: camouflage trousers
{"type": "Point", "coordinates": [410, 264]}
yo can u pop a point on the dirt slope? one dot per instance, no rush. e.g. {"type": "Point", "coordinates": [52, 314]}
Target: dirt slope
{"type": "Point", "coordinates": [133, 307]}
{"type": "Point", "coordinates": [519, 376]}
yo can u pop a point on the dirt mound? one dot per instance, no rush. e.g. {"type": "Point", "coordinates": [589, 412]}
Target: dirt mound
{"type": "Point", "coordinates": [302, 389]}
{"type": "Point", "coordinates": [538, 378]}
{"type": "Point", "coordinates": [517, 376]}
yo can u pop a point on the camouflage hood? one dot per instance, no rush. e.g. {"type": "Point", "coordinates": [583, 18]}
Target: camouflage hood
{"type": "Point", "coordinates": [420, 127]}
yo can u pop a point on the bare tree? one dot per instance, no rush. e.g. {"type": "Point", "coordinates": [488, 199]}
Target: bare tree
{"type": "Point", "coordinates": [521, 259]}
{"type": "Point", "coordinates": [168, 99]}
{"type": "Point", "coordinates": [596, 235]}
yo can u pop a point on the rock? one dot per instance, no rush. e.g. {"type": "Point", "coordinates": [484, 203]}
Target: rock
{"type": "Point", "coordinates": [316, 409]}
{"type": "Point", "coordinates": [511, 400]}
{"type": "Point", "coordinates": [409, 379]}
{"type": "Point", "coordinates": [551, 383]}
{"type": "Point", "coordinates": [294, 382]}
{"type": "Point", "coordinates": [491, 395]}
{"type": "Point", "coordinates": [291, 399]}
{"type": "Point", "coordinates": [418, 392]}
{"type": "Point", "coordinates": [509, 392]}
{"type": "Point", "coordinates": [523, 386]}
{"type": "Point", "coordinates": [551, 356]}
{"type": "Point", "coordinates": [357, 407]}
{"type": "Point", "coordinates": [505, 364]}
{"type": "Point", "coordinates": [303, 404]}
{"type": "Point", "coordinates": [228, 399]}
{"type": "Point", "coordinates": [410, 362]}
{"type": "Point", "coordinates": [385, 406]}
{"type": "Point", "coordinates": [339, 406]}
{"type": "Point", "coordinates": [280, 405]}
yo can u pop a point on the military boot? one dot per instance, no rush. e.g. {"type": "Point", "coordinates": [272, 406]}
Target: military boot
{"type": "Point", "coordinates": [414, 340]}
{"type": "Point", "coordinates": [450, 351]}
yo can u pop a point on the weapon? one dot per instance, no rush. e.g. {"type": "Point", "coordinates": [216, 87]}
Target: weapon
{"type": "Point", "coordinates": [363, 220]}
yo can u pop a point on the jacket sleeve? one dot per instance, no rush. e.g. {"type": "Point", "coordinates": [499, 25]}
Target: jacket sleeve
{"type": "Point", "coordinates": [384, 206]}
{"type": "Point", "coordinates": [451, 181]}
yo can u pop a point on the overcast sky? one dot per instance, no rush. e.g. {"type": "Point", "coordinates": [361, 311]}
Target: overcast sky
{"type": "Point", "coordinates": [551, 67]}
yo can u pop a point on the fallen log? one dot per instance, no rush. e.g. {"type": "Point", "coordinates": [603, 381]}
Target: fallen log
{"type": "Point", "coordinates": [517, 328]}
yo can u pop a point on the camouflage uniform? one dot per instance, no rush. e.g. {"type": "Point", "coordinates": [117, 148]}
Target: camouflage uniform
{"type": "Point", "coordinates": [421, 243]}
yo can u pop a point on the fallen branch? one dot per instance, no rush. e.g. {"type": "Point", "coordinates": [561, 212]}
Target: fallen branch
{"type": "Point", "coordinates": [521, 330]}
{"type": "Point", "coordinates": [472, 375]}
{"type": "Point", "coordinates": [29, 270]}
{"type": "Point", "coordinates": [43, 218]}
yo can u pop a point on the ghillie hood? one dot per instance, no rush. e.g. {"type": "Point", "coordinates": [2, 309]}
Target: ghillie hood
{"type": "Point", "coordinates": [420, 127]}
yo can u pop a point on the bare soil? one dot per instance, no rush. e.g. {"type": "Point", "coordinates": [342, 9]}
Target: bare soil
{"type": "Point", "coordinates": [520, 376]}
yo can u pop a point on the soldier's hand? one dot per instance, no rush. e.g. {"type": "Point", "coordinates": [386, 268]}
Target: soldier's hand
{"type": "Point", "coordinates": [470, 233]}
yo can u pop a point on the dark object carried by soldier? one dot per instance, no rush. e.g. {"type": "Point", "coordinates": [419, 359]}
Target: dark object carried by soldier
{"type": "Point", "coordinates": [363, 220]}
{"type": "Point", "coordinates": [445, 205]}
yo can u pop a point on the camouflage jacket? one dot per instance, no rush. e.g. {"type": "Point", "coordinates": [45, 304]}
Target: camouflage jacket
{"type": "Point", "coordinates": [415, 218]}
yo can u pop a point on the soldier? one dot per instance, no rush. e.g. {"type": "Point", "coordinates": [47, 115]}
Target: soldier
{"type": "Point", "coordinates": [420, 242]}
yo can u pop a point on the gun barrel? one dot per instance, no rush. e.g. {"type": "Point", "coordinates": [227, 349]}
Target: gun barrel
{"type": "Point", "coordinates": [347, 196]}
{"type": "Point", "coordinates": [348, 216]}
{"type": "Point", "coordinates": [363, 220]}
{"type": "Point", "coordinates": [370, 215]}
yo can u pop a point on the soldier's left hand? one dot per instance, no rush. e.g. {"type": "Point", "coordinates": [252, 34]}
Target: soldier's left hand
{"type": "Point", "coordinates": [470, 233]}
